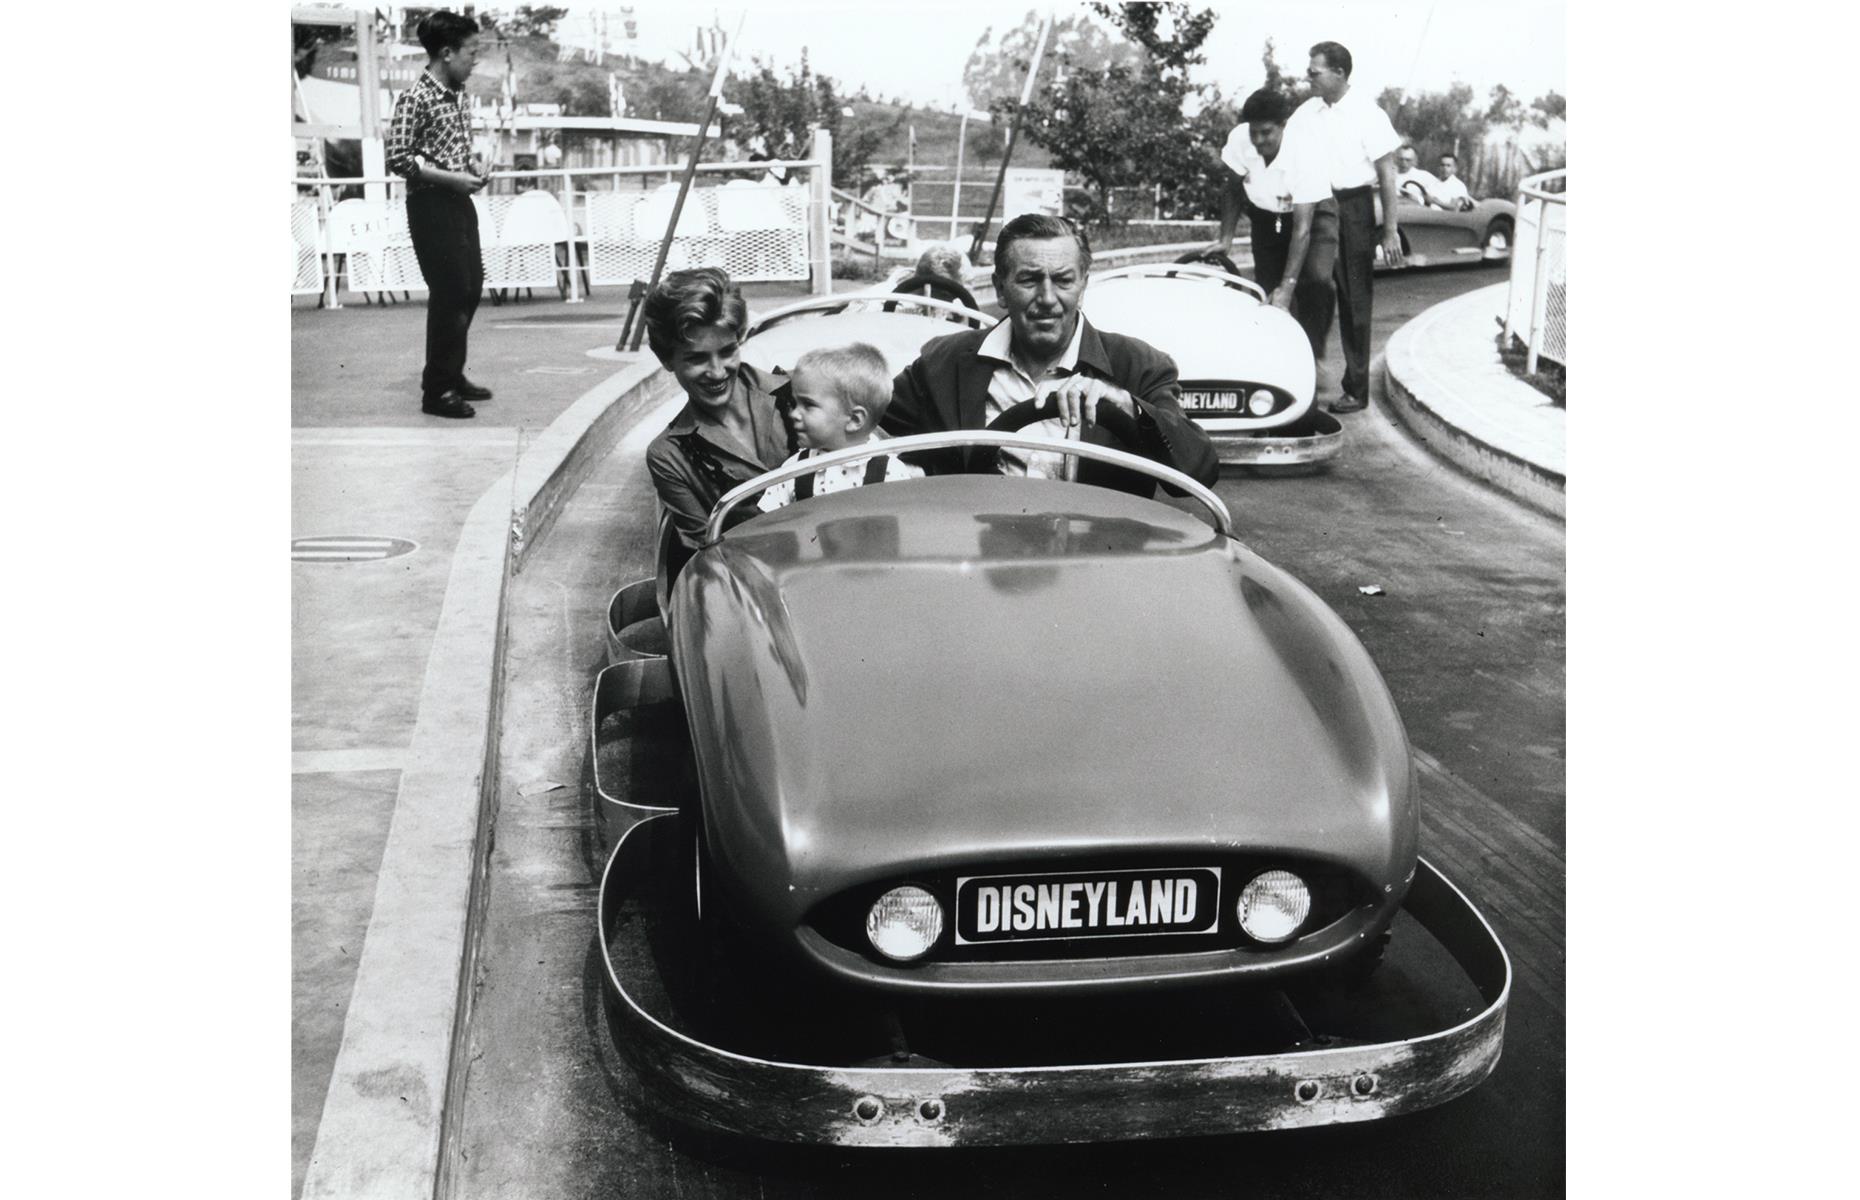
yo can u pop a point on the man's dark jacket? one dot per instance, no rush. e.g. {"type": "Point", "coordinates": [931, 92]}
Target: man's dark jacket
{"type": "Point", "coordinates": [947, 388]}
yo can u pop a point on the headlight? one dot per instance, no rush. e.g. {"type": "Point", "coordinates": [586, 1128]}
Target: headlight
{"type": "Point", "coordinates": [1260, 402]}
{"type": "Point", "coordinates": [1273, 906]}
{"type": "Point", "coordinates": [904, 923]}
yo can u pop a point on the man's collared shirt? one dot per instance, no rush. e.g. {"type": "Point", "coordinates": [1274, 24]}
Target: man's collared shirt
{"type": "Point", "coordinates": [1427, 181]}
{"type": "Point", "coordinates": [431, 121]}
{"type": "Point", "coordinates": [1277, 185]}
{"type": "Point", "coordinates": [1009, 385]}
{"type": "Point", "coordinates": [1345, 138]}
{"type": "Point", "coordinates": [1451, 189]}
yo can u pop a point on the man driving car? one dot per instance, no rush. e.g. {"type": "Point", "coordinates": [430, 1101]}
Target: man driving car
{"type": "Point", "coordinates": [1046, 350]}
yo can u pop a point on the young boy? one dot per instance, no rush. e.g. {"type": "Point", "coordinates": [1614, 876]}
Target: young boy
{"type": "Point", "coordinates": [429, 143]}
{"type": "Point", "coordinates": [839, 395]}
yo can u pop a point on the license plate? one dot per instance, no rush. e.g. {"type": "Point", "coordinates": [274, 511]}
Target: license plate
{"type": "Point", "coordinates": [1198, 400]}
{"type": "Point", "coordinates": [1084, 904]}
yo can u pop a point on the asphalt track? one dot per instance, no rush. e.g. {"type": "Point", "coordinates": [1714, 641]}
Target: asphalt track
{"type": "Point", "coordinates": [1469, 633]}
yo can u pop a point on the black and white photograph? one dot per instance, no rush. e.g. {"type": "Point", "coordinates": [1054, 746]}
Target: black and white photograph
{"type": "Point", "coordinates": [929, 599]}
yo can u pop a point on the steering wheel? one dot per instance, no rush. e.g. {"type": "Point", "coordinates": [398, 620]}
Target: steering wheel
{"type": "Point", "coordinates": [1212, 258]}
{"type": "Point", "coordinates": [1414, 190]}
{"type": "Point", "coordinates": [940, 289]}
{"type": "Point", "coordinates": [1113, 420]}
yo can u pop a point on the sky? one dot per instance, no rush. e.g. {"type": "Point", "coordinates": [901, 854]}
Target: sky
{"type": "Point", "coordinates": [916, 51]}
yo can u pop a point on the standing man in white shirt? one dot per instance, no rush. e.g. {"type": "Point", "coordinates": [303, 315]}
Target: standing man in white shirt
{"type": "Point", "coordinates": [1291, 219]}
{"type": "Point", "coordinates": [1355, 144]}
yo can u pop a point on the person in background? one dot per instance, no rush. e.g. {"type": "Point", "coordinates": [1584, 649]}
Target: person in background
{"type": "Point", "coordinates": [1354, 146]}
{"type": "Point", "coordinates": [1291, 218]}
{"type": "Point", "coordinates": [1452, 193]}
{"type": "Point", "coordinates": [1410, 180]}
{"type": "Point", "coordinates": [429, 144]}
{"type": "Point", "coordinates": [938, 274]}
{"type": "Point", "coordinates": [839, 395]}
{"type": "Point", "coordinates": [730, 429]}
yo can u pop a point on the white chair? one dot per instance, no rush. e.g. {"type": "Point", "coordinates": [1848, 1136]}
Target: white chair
{"type": "Point", "coordinates": [765, 230]}
{"type": "Point", "coordinates": [616, 253]}
{"type": "Point", "coordinates": [358, 235]}
{"type": "Point", "coordinates": [535, 237]}
{"type": "Point", "coordinates": [695, 243]}
{"type": "Point", "coordinates": [490, 245]}
{"type": "Point", "coordinates": [307, 248]}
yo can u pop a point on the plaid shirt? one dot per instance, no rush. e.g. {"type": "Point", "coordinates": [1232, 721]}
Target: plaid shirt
{"type": "Point", "coordinates": [429, 121]}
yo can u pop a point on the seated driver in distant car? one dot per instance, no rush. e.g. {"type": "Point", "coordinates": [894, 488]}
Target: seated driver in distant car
{"type": "Point", "coordinates": [1411, 182]}
{"type": "Point", "coordinates": [1450, 192]}
{"type": "Point", "coordinates": [839, 395]}
{"type": "Point", "coordinates": [1047, 350]}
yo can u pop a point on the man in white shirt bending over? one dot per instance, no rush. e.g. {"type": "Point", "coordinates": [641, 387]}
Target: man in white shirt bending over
{"type": "Point", "coordinates": [1291, 219]}
{"type": "Point", "coordinates": [1355, 145]}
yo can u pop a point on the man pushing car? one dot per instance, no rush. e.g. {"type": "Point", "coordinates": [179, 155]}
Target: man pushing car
{"type": "Point", "coordinates": [1048, 352]}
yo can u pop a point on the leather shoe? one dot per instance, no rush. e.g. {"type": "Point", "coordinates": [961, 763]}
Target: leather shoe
{"type": "Point", "coordinates": [1349, 404]}
{"type": "Point", "coordinates": [447, 404]}
{"type": "Point", "coordinates": [472, 391]}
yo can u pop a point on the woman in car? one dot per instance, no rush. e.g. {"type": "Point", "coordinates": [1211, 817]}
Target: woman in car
{"type": "Point", "coordinates": [729, 430]}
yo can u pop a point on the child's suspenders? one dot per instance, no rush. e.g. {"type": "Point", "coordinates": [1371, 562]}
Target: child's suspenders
{"type": "Point", "coordinates": [874, 473]}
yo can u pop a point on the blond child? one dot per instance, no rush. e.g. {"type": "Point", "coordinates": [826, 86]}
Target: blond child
{"type": "Point", "coordinates": [839, 395]}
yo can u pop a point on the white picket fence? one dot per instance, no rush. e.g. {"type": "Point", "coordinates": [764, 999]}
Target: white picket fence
{"type": "Point", "coordinates": [573, 229]}
{"type": "Point", "coordinates": [1537, 304]}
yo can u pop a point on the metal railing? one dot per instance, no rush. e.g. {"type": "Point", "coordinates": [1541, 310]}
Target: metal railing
{"type": "Point", "coordinates": [1537, 304]}
{"type": "Point", "coordinates": [597, 226]}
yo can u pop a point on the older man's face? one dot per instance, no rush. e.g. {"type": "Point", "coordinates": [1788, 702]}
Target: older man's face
{"type": "Point", "coordinates": [1040, 286]}
{"type": "Point", "coordinates": [1407, 158]}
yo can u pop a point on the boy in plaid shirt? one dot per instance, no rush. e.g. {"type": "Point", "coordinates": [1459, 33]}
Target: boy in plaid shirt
{"type": "Point", "coordinates": [429, 143]}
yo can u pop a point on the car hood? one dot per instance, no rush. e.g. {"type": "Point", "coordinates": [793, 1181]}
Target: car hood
{"type": "Point", "coordinates": [952, 671]}
{"type": "Point", "coordinates": [1214, 331]}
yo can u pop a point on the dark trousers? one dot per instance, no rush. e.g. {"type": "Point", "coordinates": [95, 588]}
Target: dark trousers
{"type": "Point", "coordinates": [444, 226]}
{"type": "Point", "coordinates": [1271, 236]}
{"type": "Point", "coordinates": [1356, 262]}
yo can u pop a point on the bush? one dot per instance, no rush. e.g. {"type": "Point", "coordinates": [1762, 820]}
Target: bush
{"type": "Point", "coordinates": [861, 268]}
{"type": "Point", "coordinates": [1550, 378]}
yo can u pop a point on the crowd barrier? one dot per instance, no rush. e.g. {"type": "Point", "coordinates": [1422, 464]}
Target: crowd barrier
{"type": "Point", "coordinates": [1537, 304]}
{"type": "Point", "coordinates": [571, 229]}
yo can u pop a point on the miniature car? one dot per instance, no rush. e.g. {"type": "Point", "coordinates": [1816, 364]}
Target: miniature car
{"type": "Point", "coordinates": [1431, 236]}
{"type": "Point", "coordinates": [970, 741]}
{"type": "Point", "coordinates": [1246, 369]}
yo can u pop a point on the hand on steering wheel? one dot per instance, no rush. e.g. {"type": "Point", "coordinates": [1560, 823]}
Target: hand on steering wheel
{"type": "Point", "coordinates": [1111, 409]}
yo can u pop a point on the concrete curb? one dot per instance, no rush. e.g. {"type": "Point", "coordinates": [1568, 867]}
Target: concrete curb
{"type": "Point", "coordinates": [1446, 383]}
{"type": "Point", "coordinates": [386, 1127]}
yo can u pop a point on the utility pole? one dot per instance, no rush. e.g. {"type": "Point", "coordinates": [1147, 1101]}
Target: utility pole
{"type": "Point", "coordinates": [1020, 111]}
{"type": "Point", "coordinates": [684, 185]}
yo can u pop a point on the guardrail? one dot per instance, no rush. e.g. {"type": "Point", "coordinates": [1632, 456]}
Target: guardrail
{"type": "Point", "coordinates": [574, 228]}
{"type": "Point", "coordinates": [1537, 304]}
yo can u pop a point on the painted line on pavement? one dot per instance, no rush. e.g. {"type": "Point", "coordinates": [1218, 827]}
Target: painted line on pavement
{"type": "Point", "coordinates": [339, 762]}
{"type": "Point", "coordinates": [450, 435]}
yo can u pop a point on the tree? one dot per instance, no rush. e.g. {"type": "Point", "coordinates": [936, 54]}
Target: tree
{"type": "Point", "coordinates": [1076, 43]}
{"type": "Point", "coordinates": [1435, 122]}
{"type": "Point", "coordinates": [780, 114]}
{"type": "Point", "coordinates": [1276, 76]}
{"type": "Point", "coordinates": [1549, 108]}
{"type": "Point", "coordinates": [523, 22]}
{"type": "Point", "coordinates": [1127, 125]}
